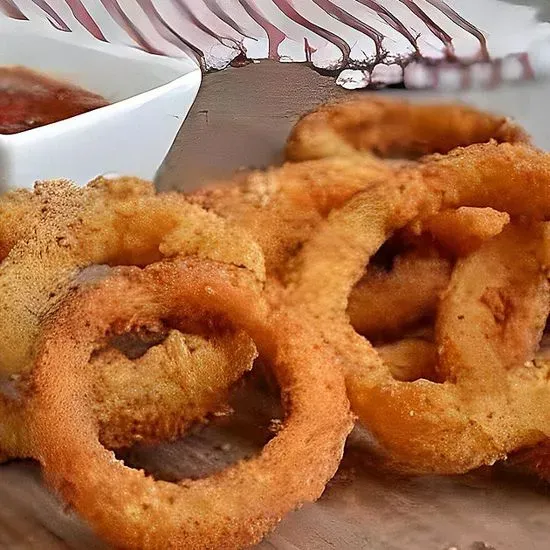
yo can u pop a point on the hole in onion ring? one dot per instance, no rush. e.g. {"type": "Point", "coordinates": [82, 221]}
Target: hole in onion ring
{"type": "Point", "coordinates": [65, 431]}
{"type": "Point", "coordinates": [252, 418]}
{"type": "Point", "coordinates": [135, 344]}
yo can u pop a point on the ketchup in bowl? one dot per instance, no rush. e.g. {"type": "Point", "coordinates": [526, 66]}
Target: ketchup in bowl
{"type": "Point", "coordinates": [29, 99]}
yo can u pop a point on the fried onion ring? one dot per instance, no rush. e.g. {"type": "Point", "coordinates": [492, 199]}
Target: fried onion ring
{"type": "Point", "coordinates": [429, 427]}
{"type": "Point", "coordinates": [158, 395]}
{"type": "Point", "coordinates": [231, 509]}
{"type": "Point", "coordinates": [81, 227]}
{"type": "Point", "coordinates": [181, 381]}
{"type": "Point", "coordinates": [470, 176]}
{"type": "Point", "coordinates": [282, 207]}
{"type": "Point", "coordinates": [394, 128]}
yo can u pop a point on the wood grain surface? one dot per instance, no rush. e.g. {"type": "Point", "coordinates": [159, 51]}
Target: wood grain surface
{"type": "Point", "coordinates": [363, 507]}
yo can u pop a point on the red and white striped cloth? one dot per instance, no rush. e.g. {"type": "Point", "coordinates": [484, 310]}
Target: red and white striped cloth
{"type": "Point", "coordinates": [423, 43]}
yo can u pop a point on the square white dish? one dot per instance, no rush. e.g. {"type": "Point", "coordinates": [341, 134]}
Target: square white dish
{"type": "Point", "coordinates": [150, 96]}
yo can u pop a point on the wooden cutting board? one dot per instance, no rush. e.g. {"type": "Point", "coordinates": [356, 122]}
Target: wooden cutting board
{"type": "Point", "coordinates": [362, 508]}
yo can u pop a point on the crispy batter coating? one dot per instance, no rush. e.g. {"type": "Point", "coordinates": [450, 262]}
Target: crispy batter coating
{"type": "Point", "coordinates": [282, 207]}
{"type": "Point", "coordinates": [461, 230]}
{"type": "Point", "coordinates": [506, 281]}
{"type": "Point", "coordinates": [89, 226]}
{"type": "Point", "coordinates": [387, 301]}
{"type": "Point", "coordinates": [182, 379]}
{"type": "Point", "coordinates": [384, 302]}
{"type": "Point", "coordinates": [393, 128]}
{"type": "Point", "coordinates": [148, 399]}
{"type": "Point", "coordinates": [234, 508]}
{"type": "Point", "coordinates": [21, 209]}
{"type": "Point", "coordinates": [470, 176]}
{"type": "Point", "coordinates": [428, 427]}
{"type": "Point", "coordinates": [18, 210]}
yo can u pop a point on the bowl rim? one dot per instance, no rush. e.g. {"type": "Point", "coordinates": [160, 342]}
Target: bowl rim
{"type": "Point", "coordinates": [96, 116]}
{"type": "Point", "coordinates": [186, 72]}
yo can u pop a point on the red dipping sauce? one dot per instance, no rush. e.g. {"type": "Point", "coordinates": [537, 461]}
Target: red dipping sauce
{"type": "Point", "coordinates": [29, 99]}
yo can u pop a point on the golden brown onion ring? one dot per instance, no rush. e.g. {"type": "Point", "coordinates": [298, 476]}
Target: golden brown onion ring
{"type": "Point", "coordinates": [174, 384]}
{"type": "Point", "coordinates": [282, 207]}
{"type": "Point", "coordinates": [83, 227]}
{"type": "Point", "coordinates": [151, 398]}
{"type": "Point", "coordinates": [470, 176]}
{"type": "Point", "coordinates": [429, 427]}
{"type": "Point", "coordinates": [121, 221]}
{"type": "Point", "coordinates": [496, 304]}
{"type": "Point", "coordinates": [233, 508]}
{"type": "Point", "coordinates": [394, 128]}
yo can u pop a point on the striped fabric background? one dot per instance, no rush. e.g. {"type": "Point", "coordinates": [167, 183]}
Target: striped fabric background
{"type": "Point", "coordinates": [423, 43]}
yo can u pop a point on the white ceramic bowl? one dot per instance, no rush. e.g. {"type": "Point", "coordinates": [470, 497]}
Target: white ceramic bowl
{"type": "Point", "coordinates": [150, 95]}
